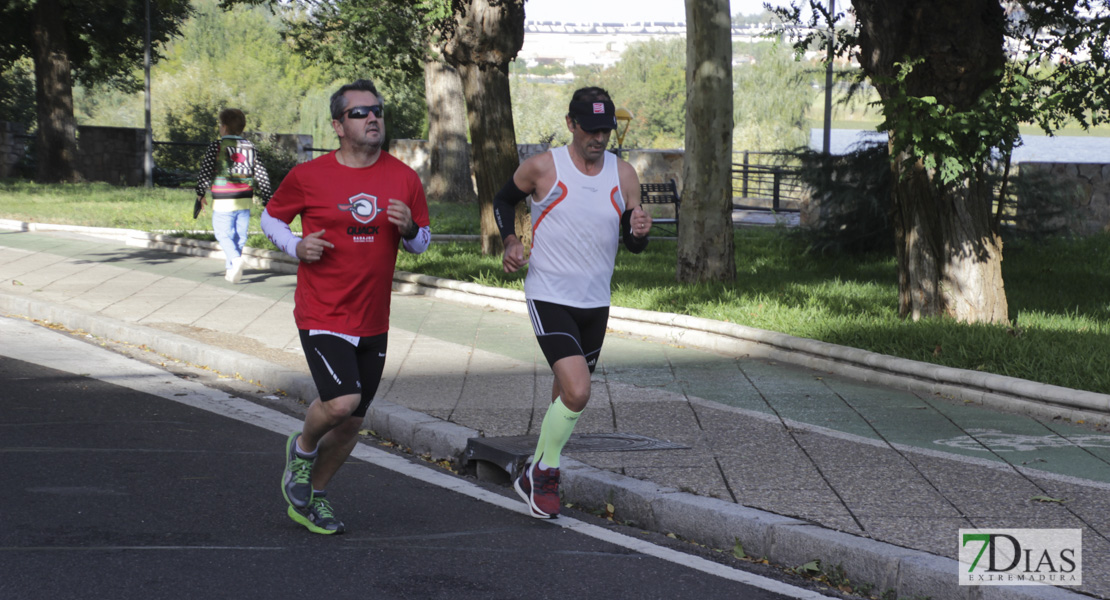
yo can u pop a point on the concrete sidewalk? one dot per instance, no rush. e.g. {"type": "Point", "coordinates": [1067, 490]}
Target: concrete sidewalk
{"type": "Point", "coordinates": [799, 450]}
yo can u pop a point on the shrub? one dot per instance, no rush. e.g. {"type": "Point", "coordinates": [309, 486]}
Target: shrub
{"type": "Point", "coordinates": [278, 161]}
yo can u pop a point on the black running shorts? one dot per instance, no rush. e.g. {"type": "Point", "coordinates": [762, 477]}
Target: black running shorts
{"type": "Point", "coordinates": [340, 367]}
{"type": "Point", "coordinates": [564, 331]}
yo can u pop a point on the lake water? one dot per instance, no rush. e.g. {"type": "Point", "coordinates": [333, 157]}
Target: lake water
{"type": "Point", "coordinates": [1036, 148]}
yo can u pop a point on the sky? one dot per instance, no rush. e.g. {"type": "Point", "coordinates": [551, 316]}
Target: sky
{"type": "Point", "coordinates": [625, 11]}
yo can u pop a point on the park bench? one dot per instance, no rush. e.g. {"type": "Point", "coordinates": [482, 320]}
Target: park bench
{"type": "Point", "coordinates": [662, 193]}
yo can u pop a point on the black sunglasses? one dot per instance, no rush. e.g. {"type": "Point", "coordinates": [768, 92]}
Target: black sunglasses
{"type": "Point", "coordinates": [361, 112]}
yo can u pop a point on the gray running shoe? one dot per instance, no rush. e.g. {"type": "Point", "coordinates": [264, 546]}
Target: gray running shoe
{"type": "Point", "coordinates": [318, 517]}
{"type": "Point", "coordinates": [296, 482]}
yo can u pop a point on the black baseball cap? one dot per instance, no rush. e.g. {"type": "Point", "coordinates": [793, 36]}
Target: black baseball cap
{"type": "Point", "coordinates": [593, 115]}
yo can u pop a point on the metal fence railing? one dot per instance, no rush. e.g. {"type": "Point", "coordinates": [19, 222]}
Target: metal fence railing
{"type": "Point", "coordinates": [766, 181]}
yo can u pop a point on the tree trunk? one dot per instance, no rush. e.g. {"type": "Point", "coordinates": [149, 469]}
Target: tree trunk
{"type": "Point", "coordinates": [949, 259]}
{"type": "Point", "coordinates": [449, 157]}
{"type": "Point", "coordinates": [494, 142]}
{"type": "Point", "coordinates": [57, 129]}
{"type": "Point", "coordinates": [705, 235]}
{"type": "Point", "coordinates": [949, 256]}
{"type": "Point", "coordinates": [487, 35]}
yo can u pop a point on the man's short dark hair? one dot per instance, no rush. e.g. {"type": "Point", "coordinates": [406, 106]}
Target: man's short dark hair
{"type": "Point", "coordinates": [339, 101]}
{"type": "Point", "coordinates": [590, 94]}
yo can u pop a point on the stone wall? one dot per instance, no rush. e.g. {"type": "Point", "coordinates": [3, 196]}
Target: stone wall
{"type": "Point", "coordinates": [1088, 211]}
{"type": "Point", "coordinates": [293, 143]}
{"type": "Point", "coordinates": [115, 154]}
{"type": "Point", "coordinates": [657, 166]}
{"type": "Point", "coordinates": [11, 147]}
{"type": "Point", "coordinates": [111, 154]}
{"type": "Point", "coordinates": [414, 153]}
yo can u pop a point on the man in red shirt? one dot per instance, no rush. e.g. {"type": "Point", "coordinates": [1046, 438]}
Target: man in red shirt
{"type": "Point", "coordinates": [357, 206]}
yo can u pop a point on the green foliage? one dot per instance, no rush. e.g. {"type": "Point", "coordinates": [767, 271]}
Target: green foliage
{"type": "Point", "coordinates": [952, 141]}
{"type": "Point", "coordinates": [538, 111]}
{"type": "Point", "coordinates": [1057, 73]}
{"type": "Point", "coordinates": [193, 118]}
{"type": "Point", "coordinates": [104, 39]}
{"type": "Point", "coordinates": [17, 93]}
{"type": "Point", "coordinates": [276, 160]}
{"type": "Point", "coordinates": [1065, 68]}
{"type": "Point", "coordinates": [773, 94]}
{"type": "Point", "coordinates": [407, 111]}
{"type": "Point", "coordinates": [772, 97]}
{"type": "Point", "coordinates": [649, 81]}
{"type": "Point", "coordinates": [233, 59]}
{"type": "Point", "coordinates": [315, 119]}
{"type": "Point", "coordinates": [541, 70]}
{"type": "Point", "coordinates": [362, 39]}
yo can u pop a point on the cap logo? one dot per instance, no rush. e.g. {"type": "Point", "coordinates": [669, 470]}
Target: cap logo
{"type": "Point", "coordinates": [599, 108]}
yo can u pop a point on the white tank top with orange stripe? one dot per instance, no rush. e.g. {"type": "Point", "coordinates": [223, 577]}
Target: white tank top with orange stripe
{"type": "Point", "coordinates": [575, 232]}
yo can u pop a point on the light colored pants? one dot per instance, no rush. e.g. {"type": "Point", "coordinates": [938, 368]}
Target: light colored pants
{"type": "Point", "coordinates": [231, 232]}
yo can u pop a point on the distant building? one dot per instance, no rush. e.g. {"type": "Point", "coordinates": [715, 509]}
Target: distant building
{"type": "Point", "coordinates": [575, 44]}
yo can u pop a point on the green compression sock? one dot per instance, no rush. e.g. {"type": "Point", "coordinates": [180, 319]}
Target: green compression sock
{"type": "Point", "coordinates": [557, 426]}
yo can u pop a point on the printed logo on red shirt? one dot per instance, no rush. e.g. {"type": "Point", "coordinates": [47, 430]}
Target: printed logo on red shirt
{"type": "Point", "coordinates": [363, 207]}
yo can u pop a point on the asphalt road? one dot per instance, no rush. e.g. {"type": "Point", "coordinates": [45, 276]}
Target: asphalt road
{"type": "Point", "coordinates": [122, 481]}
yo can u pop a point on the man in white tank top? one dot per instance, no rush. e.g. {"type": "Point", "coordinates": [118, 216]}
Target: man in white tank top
{"type": "Point", "coordinates": [584, 201]}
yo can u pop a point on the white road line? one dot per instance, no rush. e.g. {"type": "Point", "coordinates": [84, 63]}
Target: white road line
{"type": "Point", "coordinates": [39, 345]}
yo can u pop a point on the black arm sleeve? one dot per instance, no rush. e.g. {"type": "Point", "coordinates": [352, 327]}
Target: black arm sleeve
{"type": "Point", "coordinates": [634, 244]}
{"type": "Point", "coordinates": [504, 208]}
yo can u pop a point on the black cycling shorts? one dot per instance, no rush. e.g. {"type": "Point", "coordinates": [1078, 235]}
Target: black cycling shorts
{"type": "Point", "coordinates": [341, 368]}
{"type": "Point", "coordinates": [564, 331]}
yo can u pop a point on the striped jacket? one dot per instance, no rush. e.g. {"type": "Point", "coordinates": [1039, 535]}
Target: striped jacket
{"type": "Point", "coordinates": [233, 172]}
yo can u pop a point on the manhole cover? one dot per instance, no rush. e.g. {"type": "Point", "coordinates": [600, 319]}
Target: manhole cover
{"type": "Point", "coordinates": [585, 442]}
{"type": "Point", "coordinates": [509, 452]}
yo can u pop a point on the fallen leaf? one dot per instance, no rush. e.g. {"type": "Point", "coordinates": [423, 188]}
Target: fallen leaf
{"type": "Point", "coordinates": [738, 549]}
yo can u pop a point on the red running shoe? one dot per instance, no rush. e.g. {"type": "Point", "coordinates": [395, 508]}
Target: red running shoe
{"type": "Point", "coordinates": [523, 486]}
{"type": "Point", "coordinates": [539, 488]}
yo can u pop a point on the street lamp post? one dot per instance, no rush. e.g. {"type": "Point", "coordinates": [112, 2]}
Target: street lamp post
{"type": "Point", "coordinates": [148, 150]}
{"type": "Point", "coordinates": [624, 119]}
{"type": "Point", "coordinates": [829, 80]}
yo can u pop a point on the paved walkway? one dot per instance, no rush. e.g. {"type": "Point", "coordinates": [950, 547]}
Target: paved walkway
{"type": "Point", "coordinates": [797, 464]}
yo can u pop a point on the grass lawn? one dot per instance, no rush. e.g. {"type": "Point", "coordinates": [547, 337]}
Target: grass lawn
{"type": "Point", "coordinates": [1057, 287]}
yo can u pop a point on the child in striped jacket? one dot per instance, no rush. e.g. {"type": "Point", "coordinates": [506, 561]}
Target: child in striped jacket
{"type": "Point", "coordinates": [233, 173]}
